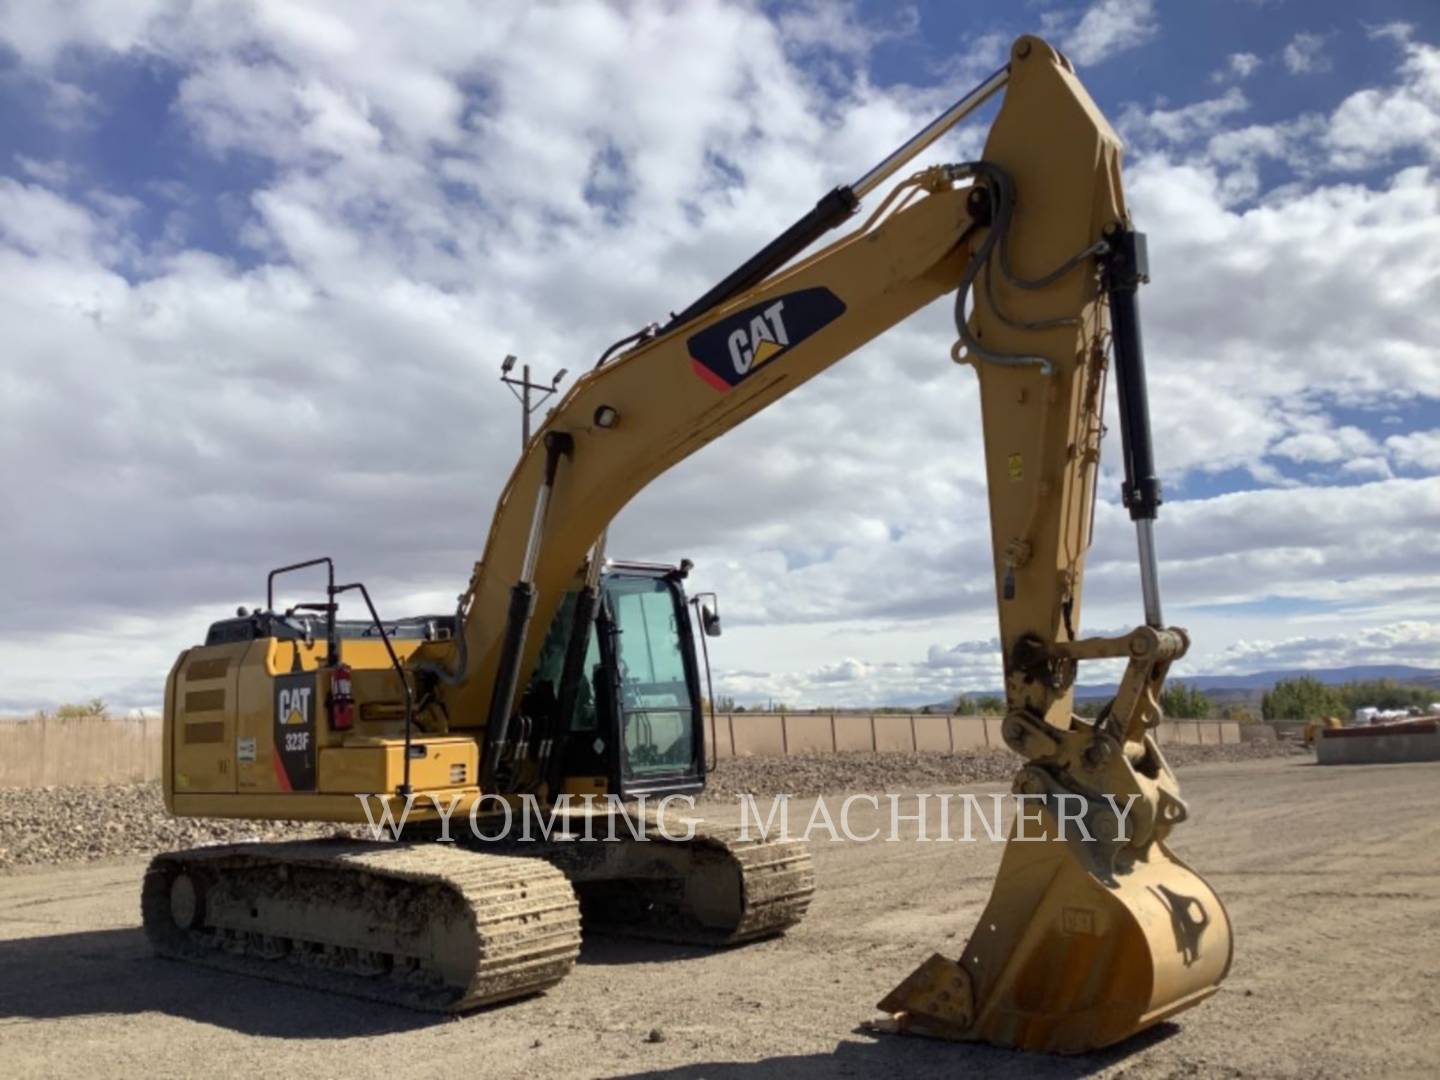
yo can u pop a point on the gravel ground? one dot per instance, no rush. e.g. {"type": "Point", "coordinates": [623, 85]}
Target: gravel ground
{"type": "Point", "coordinates": [49, 826]}
{"type": "Point", "coordinates": [1331, 877]}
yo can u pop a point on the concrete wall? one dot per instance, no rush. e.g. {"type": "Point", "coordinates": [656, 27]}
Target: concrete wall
{"type": "Point", "coordinates": [1384, 745]}
{"type": "Point", "coordinates": [970, 733]}
{"type": "Point", "coordinates": [97, 750]}
{"type": "Point", "coordinates": [771, 734]}
{"type": "Point", "coordinates": [852, 732]}
{"type": "Point", "coordinates": [83, 750]}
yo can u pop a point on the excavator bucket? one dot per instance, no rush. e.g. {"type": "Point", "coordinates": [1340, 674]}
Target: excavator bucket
{"type": "Point", "coordinates": [1082, 944]}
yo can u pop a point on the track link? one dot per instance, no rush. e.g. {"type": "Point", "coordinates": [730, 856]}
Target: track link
{"type": "Point", "coordinates": [715, 889]}
{"type": "Point", "coordinates": [424, 926]}
{"type": "Point", "coordinates": [777, 881]}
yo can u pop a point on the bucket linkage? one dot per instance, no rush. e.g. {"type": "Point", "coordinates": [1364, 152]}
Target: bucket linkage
{"type": "Point", "coordinates": [1099, 931]}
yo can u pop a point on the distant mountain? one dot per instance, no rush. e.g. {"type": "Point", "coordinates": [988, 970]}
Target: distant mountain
{"type": "Point", "coordinates": [1220, 686]}
{"type": "Point", "coordinates": [1247, 689]}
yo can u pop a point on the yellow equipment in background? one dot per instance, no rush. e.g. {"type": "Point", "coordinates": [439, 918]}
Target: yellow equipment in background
{"type": "Point", "coordinates": [564, 674]}
{"type": "Point", "coordinates": [1324, 723]}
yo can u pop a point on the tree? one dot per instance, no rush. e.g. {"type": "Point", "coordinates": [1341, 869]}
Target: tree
{"type": "Point", "coordinates": [1181, 702]}
{"type": "Point", "coordinates": [1089, 709]}
{"type": "Point", "coordinates": [1383, 694]}
{"type": "Point", "coordinates": [1239, 714]}
{"type": "Point", "coordinates": [983, 705]}
{"type": "Point", "coordinates": [1304, 698]}
{"type": "Point", "coordinates": [93, 707]}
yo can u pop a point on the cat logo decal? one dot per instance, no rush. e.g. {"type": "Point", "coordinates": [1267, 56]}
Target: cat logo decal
{"type": "Point", "coordinates": [728, 352]}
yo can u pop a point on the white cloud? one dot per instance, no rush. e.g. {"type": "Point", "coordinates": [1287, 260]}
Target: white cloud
{"type": "Point", "coordinates": [1181, 125]}
{"type": "Point", "coordinates": [1373, 124]}
{"type": "Point", "coordinates": [1318, 443]}
{"type": "Point", "coordinates": [1372, 465]}
{"type": "Point", "coordinates": [1240, 65]}
{"type": "Point", "coordinates": [53, 174]}
{"type": "Point", "coordinates": [1413, 642]}
{"type": "Point", "coordinates": [1304, 54]}
{"type": "Point", "coordinates": [837, 27]}
{"type": "Point", "coordinates": [1105, 29]}
{"type": "Point", "coordinates": [1417, 450]}
{"type": "Point", "coordinates": [35, 220]}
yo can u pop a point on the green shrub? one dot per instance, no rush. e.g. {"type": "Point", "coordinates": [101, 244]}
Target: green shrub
{"type": "Point", "coordinates": [93, 707]}
{"type": "Point", "coordinates": [1304, 698]}
{"type": "Point", "coordinates": [1181, 702]}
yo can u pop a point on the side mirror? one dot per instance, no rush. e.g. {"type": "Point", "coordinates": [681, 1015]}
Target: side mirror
{"type": "Point", "coordinates": [710, 621]}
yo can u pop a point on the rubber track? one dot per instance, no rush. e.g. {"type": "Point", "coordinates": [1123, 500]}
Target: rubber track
{"type": "Point", "coordinates": [523, 913]}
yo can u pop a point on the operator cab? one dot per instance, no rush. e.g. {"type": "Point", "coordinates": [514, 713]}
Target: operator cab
{"type": "Point", "coordinates": [637, 722]}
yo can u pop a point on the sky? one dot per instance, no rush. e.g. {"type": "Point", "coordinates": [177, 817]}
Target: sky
{"type": "Point", "coordinates": [260, 261]}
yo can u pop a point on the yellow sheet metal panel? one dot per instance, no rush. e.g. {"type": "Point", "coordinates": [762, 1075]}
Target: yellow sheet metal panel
{"type": "Point", "coordinates": [380, 767]}
{"type": "Point", "coordinates": [580, 786]}
{"type": "Point", "coordinates": [200, 701]}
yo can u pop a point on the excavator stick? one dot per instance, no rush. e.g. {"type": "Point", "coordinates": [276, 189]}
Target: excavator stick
{"type": "Point", "coordinates": [1094, 929]}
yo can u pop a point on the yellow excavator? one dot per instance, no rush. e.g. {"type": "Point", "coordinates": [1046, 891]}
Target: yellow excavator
{"type": "Point", "coordinates": [568, 683]}
{"type": "Point", "coordinates": [1310, 735]}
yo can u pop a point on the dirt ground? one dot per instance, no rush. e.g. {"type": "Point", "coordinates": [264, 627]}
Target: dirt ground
{"type": "Point", "coordinates": [1331, 876]}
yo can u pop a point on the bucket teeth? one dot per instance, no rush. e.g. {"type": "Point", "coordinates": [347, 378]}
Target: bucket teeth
{"type": "Point", "coordinates": [935, 999]}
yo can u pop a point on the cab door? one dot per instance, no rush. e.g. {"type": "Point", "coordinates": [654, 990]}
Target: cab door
{"type": "Point", "coordinates": [656, 685]}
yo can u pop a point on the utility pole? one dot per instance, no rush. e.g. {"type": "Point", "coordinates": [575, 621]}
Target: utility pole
{"type": "Point", "coordinates": [522, 395]}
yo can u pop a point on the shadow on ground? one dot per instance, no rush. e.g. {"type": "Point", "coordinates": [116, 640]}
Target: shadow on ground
{"type": "Point", "coordinates": [608, 949]}
{"type": "Point", "coordinates": [889, 1055]}
{"type": "Point", "coordinates": [114, 972]}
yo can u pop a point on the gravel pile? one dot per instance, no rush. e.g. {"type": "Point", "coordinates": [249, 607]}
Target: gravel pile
{"type": "Point", "coordinates": [75, 824]}
{"type": "Point", "coordinates": [46, 826]}
{"type": "Point", "coordinates": [823, 774]}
